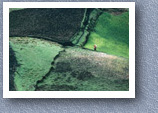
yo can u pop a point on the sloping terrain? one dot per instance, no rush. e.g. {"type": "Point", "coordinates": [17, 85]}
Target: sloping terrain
{"type": "Point", "coordinates": [45, 65]}
{"type": "Point", "coordinates": [111, 33]}
{"type": "Point", "coordinates": [49, 23]}
{"type": "Point", "coordinates": [80, 69]}
{"type": "Point", "coordinates": [34, 57]}
{"type": "Point", "coordinates": [52, 49]}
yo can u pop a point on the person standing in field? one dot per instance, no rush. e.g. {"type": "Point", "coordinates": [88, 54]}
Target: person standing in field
{"type": "Point", "coordinates": [95, 47]}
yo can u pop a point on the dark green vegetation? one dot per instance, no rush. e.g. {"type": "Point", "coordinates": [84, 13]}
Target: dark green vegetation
{"type": "Point", "coordinates": [38, 63]}
{"type": "Point", "coordinates": [87, 25]}
{"type": "Point", "coordinates": [54, 24]}
{"type": "Point", "coordinates": [78, 69]}
{"type": "Point", "coordinates": [12, 68]}
{"type": "Point", "coordinates": [111, 34]}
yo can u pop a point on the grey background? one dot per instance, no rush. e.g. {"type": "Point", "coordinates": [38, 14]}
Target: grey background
{"type": "Point", "coordinates": [146, 73]}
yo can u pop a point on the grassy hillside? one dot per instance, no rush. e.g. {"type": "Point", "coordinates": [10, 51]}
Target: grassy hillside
{"type": "Point", "coordinates": [37, 64]}
{"type": "Point", "coordinates": [78, 69]}
{"type": "Point", "coordinates": [111, 34]}
{"type": "Point", "coordinates": [74, 69]}
{"type": "Point", "coordinates": [34, 57]}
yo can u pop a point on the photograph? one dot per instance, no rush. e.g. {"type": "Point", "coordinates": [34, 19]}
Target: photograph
{"type": "Point", "coordinates": [70, 49]}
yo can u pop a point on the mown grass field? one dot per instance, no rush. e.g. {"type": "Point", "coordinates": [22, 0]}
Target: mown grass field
{"type": "Point", "coordinates": [111, 34]}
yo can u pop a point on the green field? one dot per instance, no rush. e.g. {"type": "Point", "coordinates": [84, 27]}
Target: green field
{"type": "Point", "coordinates": [52, 49]}
{"type": "Point", "coordinates": [74, 68]}
{"type": "Point", "coordinates": [34, 57]}
{"type": "Point", "coordinates": [111, 34]}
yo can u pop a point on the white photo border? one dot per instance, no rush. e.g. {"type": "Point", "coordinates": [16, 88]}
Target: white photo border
{"type": "Point", "coordinates": [68, 94]}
